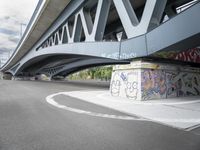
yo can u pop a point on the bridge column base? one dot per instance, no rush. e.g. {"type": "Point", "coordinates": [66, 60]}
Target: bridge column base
{"type": "Point", "coordinates": [42, 77]}
{"type": "Point", "coordinates": [5, 76]}
{"type": "Point", "coordinates": [142, 80]}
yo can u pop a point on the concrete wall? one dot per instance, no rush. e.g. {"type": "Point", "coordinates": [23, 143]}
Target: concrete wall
{"type": "Point", "coordinates": [145, 81]}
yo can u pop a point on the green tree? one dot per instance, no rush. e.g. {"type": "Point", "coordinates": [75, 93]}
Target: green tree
{"type": "Point", "coordinates": [102, 73]}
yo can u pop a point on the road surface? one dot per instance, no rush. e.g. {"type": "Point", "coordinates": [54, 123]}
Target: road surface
{"type": "Point", "coordinates": [28, 122]}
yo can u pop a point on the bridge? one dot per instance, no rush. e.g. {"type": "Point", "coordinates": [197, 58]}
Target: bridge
{"type": "Point", "coordinates": [65, 36]}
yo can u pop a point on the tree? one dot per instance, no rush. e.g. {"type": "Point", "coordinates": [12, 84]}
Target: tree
{"type": "Point", "coordinates": [102, 73]}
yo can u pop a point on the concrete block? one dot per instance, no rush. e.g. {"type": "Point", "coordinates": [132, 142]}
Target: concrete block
{"type": "Point", "coordinates": [146, 80]}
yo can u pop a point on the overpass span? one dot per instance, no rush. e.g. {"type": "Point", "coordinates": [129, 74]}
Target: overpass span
{"type": "Point", "coordinates": [65, 36]}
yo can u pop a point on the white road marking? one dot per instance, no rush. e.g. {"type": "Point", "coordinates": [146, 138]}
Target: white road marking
{"type": "Point", "coordinates": [177, 120]}
{"type": "Point", "coordinates": [51, 101]}
{"type": "Point", "coordinates": [193, 127]}
{"type": "Point", "coordinates": [173, 122]}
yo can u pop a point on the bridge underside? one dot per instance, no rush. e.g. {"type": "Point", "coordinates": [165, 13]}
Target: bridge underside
{"type": "Point", "coordinates": [102, 32]}
{"type": "Point", "coordinates": [62, 65]}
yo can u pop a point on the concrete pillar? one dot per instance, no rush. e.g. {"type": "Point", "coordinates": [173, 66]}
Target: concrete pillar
{"type": "Point", "coordinates": [142, 80]}
{"type": "Point", "coordinates": [42, 77]}
{"type": "Point", "coordinates": [5, 76]}
{"type": "Point", "coordinates": [1, 76]}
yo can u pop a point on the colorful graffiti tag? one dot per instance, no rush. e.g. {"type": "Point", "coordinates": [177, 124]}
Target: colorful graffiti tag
{"type": "Point", "coordinates": [166, 82]}
{"type": "Point", "coordinates": [153, 84]}
{"type": "Point", "coordinates": [171, 85]}
{"type": "Point", "coordinates": [162, 84]}
{"type": "Point", "coordinates": [191, 55]}
{"type": "Point", "coordinates": [183, 84]}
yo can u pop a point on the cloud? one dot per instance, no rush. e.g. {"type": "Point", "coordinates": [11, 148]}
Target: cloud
{"type": "Point", "coordinates": [6, 43]}
{"type": "Point", "coordinates": [14, 39]}
{"type": "Point", "coordinates": [4, 49]}
{"type": "Point", "coordinates": [21, 10]}
{"type": "Point", "coordinates": [12, 15]}
{"type": "Point", "coordinates": [8, 31]}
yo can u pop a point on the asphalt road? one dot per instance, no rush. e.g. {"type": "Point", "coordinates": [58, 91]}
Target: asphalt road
{"type": "Point", "coordinates": [28, 122]}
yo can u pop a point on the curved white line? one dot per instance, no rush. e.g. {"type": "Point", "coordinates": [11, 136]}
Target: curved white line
{"type": "Point", "coordinates": [51, 101]}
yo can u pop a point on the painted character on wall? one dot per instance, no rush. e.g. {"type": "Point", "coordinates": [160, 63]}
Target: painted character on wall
{"type": "Point", "coordinates": [115, 84]}
{"type": "Point", "coordinates": [131, 89]}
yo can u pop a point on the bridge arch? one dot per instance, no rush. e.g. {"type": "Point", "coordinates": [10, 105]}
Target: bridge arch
{"type": "Point", "coordinates": [78, 55]}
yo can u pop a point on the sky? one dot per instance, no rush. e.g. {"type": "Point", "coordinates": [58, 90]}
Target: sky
{"type": "Point", "coordinates": [13, 13]}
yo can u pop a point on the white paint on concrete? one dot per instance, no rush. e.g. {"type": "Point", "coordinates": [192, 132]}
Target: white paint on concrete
{"type": "Point", "coordinates": [169, 112]}
{"type": "Point", "coordinates": [50, 100]}
{"type": "Point", "coordinates": [193, 128]}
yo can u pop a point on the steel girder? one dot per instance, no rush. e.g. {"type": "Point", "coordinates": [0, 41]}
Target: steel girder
{"type": "Point", "coordinates": [142, 33]}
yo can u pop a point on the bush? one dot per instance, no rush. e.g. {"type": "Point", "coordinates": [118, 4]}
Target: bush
{"type": "Point", "coordinates": [98, 73]}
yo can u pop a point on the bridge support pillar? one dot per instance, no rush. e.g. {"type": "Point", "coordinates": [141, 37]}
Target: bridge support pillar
{"type": "Point", "coordinates": [5, 76]}
{"type": "Point", "coordinates": [42, 77]}
{"type": "Point", "coordinates": [143, 80]}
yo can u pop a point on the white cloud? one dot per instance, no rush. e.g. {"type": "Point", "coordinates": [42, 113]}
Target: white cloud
{"type": "Point", "coordinates": [12, 14]}
{"type": "Point", "coordinates": [6, 43]}
{"type": "Point", "coordinates": [19, 10]}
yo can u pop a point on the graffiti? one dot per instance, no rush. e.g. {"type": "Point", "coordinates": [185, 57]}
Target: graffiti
{"type": "Point", "coordinates": [128, 55]}
{"type": "Point", "coordinates": [123, 76]}
{"type": "Point", "coordinates": [153, 84]}
{"type": "Point", "coordinates": [185, 84]}
{"type": "Point", "coordinates": [145, 84]}
{"type": "Point", "coordinates": [111, 55]}
{"type": "Point", "coordinates": [115, 84]}
{"type": "Point", "coordinates": [131, 89]}
{"type": "Point", "coordinates": [171, 85]}
{"type": "Point", "coordinates": [191, 55]}
{"type": "Point", "coordinates": [161, 84]}
{"type": "Point", "coordinates": [128, 81]}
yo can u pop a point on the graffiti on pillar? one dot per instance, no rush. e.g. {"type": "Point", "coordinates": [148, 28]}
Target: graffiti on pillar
{"type": "Point", "coordinates": [161, 84]}
{"type": "Point", "coordinates": [172, 90]}
{"type": "Point", "coordinates": [125, 83]}
{"type": "Point", "coordinates": [123, 76]}
{"type": "Point", "coordinates": [131, 88]}
{"type": "Point", "coordinates": [183, 84]}
{"type": "Point", "coordinates": [153, 84]}
{"type": "Point", "coordinates": [115, 84]}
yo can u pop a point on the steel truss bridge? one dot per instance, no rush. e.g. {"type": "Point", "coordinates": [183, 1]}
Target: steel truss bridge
{"type": "Point", "coordinates": [65, 36]}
